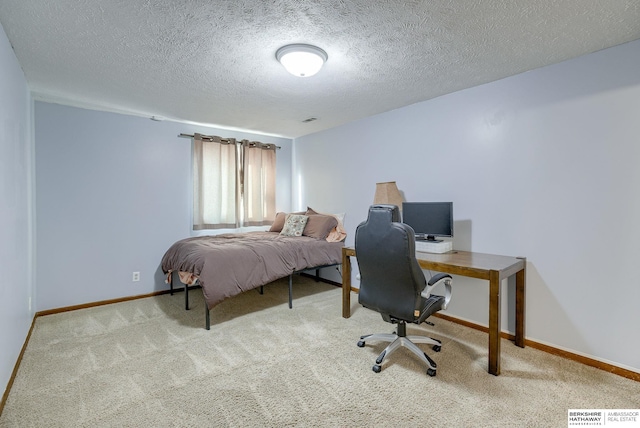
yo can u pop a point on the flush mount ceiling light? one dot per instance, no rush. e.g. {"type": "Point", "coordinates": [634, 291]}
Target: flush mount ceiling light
{"type": "Point", "coordinates": [301, 60]}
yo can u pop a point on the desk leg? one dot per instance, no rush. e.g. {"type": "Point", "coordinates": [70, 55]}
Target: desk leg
{"type": "Point", "coordinates": [346, 285]}
{"type": "Point", "coordinates": [520, 305]}
{"type": "Point", "coordinates": [494, 322]}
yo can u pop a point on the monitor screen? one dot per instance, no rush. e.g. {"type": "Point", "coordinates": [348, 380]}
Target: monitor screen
{"type": "Point", "coordinates": [429, 219]}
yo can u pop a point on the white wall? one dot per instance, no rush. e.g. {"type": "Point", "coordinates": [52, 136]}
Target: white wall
{"type": "Point", "coordinates": [544, 165]}
{"type": "Point", "coordinates": [16, 208]}
{"type": "Point", "coordinates": [113, 192]}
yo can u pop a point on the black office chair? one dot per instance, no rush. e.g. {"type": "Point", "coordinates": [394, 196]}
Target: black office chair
{"type": "Point", "coordinates": [392, 282]}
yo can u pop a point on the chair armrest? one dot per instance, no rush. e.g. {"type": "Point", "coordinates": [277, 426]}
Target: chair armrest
{"type": "Point", "coordinates": [440, 278]}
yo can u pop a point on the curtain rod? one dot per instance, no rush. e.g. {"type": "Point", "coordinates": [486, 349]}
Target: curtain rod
{"type": "Point", "coordinates": [223, 139]}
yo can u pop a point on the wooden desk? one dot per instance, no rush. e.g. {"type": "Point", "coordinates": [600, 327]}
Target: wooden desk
{"type": "Point", "coordinates": [473, 265]}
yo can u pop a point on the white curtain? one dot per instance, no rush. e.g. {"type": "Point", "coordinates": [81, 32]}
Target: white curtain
{"type": "Point", "coordinates": [215, 183]}
{"type": "Point", "coordinates": [234, 184]}
{"type": "Point", "coordinates": [258, 183]}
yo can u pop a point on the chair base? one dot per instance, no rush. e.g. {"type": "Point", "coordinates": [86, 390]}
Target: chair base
{"type": "Point", "coordinates": [400, 340]}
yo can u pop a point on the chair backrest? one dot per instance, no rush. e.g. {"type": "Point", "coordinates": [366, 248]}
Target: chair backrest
{"type": "Point", "coordinates": [391, 279]}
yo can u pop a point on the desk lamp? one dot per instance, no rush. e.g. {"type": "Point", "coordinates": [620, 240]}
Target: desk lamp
{"type": "Point", "coordinates": [388, 193]}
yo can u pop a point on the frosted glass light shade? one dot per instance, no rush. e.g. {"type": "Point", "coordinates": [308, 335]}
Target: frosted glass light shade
{"type": "Point", "coordinates": [301, 60]}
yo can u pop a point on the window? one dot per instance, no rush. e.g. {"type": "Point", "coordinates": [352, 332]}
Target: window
{"type": "Point", "coordinates": [233, 183]}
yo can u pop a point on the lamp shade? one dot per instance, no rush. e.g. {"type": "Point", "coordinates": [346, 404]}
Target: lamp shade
{"type": "Point", "coordinates": [388, 193]}
{"type": "Point", "coordinates": [301, 60]}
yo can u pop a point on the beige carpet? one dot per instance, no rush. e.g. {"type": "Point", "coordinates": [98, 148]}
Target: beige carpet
{"type": "Point", "coordinates": [150, 363]}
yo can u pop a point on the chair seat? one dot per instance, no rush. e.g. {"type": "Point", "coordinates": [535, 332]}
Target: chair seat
{"type": "Point", "coordinates": [431, 305]}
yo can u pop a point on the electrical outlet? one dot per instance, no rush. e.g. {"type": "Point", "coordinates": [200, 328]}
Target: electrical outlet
{"type": "Point", "coordinates": [136, 276]}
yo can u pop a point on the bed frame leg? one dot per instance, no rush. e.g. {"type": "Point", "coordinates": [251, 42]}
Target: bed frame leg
{"type": "Point", "coordinates": [208, 321]}
{"type": "Point", "coordinates": [171, 282]}
{"type": "Point", "coordinates": [317, 275]}
{"type": "Point", "coordinates": [262, 289]}
{"type": "Point", "coordinates": [290, 291]}
{"type": "Point", "coordinates": [186, 297]}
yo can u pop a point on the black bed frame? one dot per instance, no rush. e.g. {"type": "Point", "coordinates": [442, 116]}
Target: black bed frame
{"type": "Point", "coordinates": [261, 289]}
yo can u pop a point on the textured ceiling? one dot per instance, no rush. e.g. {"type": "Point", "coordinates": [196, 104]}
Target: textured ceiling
{"type": "Point", "coordinates": [213, 62]}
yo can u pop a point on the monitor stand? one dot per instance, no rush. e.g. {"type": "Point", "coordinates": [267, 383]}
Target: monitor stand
{"type": "Point", "coordinates": [435, 246]}
{"type": "Point", "coordinates": [429, 238]}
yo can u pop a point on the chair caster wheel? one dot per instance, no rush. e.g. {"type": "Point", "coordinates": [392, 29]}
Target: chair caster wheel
{"type": "Point", "coordinates": [361, 344]}
{"type": "Point", "coordinates": [377, 369]}
{"type": "Point", "coordinates": [431, 372]}
{"type": "Point", "coordinates": [436, 348]}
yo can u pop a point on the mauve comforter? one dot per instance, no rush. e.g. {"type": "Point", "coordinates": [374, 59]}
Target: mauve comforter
{"type": "Point", "coordinates": [231, 263]}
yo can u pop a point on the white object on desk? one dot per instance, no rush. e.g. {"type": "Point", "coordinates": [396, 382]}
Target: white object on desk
{"type": "Point", "coordinates": [434, 247]}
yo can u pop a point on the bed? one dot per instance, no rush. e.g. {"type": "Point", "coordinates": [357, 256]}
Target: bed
{"type": "Point", "coordinates": [229, 264]}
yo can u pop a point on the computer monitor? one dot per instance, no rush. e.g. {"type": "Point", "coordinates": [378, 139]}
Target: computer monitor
{"type": "Point", "coordinates": [429, 219]}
